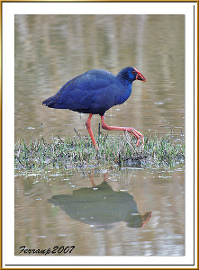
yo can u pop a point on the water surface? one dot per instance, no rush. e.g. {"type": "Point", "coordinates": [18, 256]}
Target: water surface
{"type": "Point", "coordinates": [64, 210]}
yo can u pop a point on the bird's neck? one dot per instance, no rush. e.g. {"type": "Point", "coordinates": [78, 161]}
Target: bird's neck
{"type": "Point", "coordinates": [126, 92]}
{"type": "Point", "coordinates": [127, 89]}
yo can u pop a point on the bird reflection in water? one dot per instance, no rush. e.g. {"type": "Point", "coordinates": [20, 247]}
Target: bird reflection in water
{"type": "Point", "coordinates": [100, 205]}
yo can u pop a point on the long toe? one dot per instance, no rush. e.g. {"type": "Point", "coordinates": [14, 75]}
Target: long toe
{"type": "Point", "coordinates": [136, 134]}
{"type": "Point", "coordinates": [138, 141]}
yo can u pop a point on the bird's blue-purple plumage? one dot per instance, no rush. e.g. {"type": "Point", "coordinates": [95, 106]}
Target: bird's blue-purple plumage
{"type": "Point", "coordinates": [94, 91]}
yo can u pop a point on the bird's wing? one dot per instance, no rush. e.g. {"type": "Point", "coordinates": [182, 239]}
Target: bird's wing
{"type": "Point", "coordinates": [86, 90]}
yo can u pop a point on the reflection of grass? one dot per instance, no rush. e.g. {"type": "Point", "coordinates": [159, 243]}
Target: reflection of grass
{"type": "Point", "coordinates": [79, 152]}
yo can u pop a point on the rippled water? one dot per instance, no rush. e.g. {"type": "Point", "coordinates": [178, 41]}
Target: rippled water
{"type": "Point", "coordinates": [100, 220]}
{"type": "Point", "coordinates": [105, 218]}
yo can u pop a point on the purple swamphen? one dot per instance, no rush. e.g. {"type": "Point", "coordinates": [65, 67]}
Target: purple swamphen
{"type": "Point", "coordinates": [94, 92]}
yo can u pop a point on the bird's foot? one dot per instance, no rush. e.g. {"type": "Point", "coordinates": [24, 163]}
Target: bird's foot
{"type": "Point", "coordinates": [133, 131]}
{"type": "Point", "coordinates": [137, 135]}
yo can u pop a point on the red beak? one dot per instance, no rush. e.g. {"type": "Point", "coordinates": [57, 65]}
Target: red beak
{"type": "Point", "coordinates": [146, 217]}
{"type": "Point", "coordinates": [140, 77]}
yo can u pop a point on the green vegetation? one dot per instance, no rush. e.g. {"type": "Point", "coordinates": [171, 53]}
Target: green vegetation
{"type": "Point", "coordinates": [113, 150]}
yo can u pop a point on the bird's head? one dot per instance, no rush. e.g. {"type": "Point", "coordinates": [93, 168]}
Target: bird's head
{"type": "Point", "coordinates": [131, 74]}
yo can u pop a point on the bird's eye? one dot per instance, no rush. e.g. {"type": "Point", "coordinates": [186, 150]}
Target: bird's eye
{"type": "Point", "coordinates": [133, 72]}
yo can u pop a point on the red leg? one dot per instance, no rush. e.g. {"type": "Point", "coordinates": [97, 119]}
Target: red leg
{"type": "Point", "coordinates": [88, 126]}
{"type": "Point", "coordinates": [133, 131]}
{"type": "Point", "coordinates": [91, 179]}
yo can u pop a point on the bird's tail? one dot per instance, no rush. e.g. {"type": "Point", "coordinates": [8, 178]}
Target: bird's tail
{"type": "Point", "coordinates": [50, 102]}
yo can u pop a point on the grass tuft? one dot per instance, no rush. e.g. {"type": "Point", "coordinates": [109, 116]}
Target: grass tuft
{"type": "Point", "coordinates": [113, 150]}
